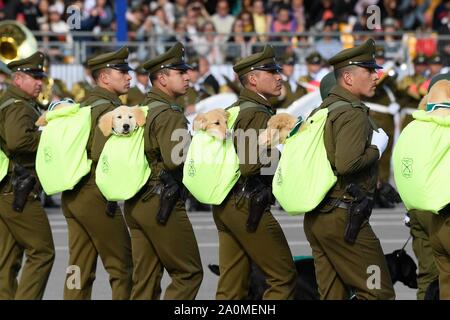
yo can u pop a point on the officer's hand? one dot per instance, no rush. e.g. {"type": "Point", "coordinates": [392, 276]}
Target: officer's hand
{"type": "Point", "coordinates": [380, 140]}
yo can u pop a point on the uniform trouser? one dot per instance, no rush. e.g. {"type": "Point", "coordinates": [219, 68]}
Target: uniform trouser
{"type": "Point", "coordinates": [342, 268]}
{"type": "Point", "coordinates": [93, 233]}
{"type": "Point", "coordinates": [420, 222]}
{"type": "Point", "coordinates": [172, 246]}
{"type": "Point", "coordinates": [267, 247]}
{"type": "Point", "coordinates": [29, 232]}
{"type": "Point", "coordinates": [440, 242]}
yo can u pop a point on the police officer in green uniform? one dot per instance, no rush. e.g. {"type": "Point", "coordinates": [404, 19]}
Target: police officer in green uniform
{"type": "Point", "coordinates": [344, 246]}
{"type": "Point", "coordinates": [315, 69]}
{"type": "Point", "coordinates": [136, 94]}
{"type": "Point", "coordinates": [162, 235]}
{"type": "Point", "coordinates": [291, 90]}
{"type": "Point", "coordinates": [408, 88]}
{"type": "Point", "coordinates": [97, 228]}
{"type": "Point", "coordinates": [24, 227]}
{"type": "Point", "coordinates": [242, 236]}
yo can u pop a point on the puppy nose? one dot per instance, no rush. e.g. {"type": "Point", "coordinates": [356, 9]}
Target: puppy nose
{"type": "Point", "coordinates": [126, 126]}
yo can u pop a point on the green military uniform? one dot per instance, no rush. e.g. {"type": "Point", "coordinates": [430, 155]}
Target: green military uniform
{"type": "Point", "coordinates": [92, 232]}
{"type": "Point", "coordinates": [342, 268]}
{"type": "Point", "coordinates": [267, 247]}
{"type": "Point", "coordinates": [171, 246]}
{"type": "Point", "coordinates": [420, 228]}
{"type": "Point", "coordinates": [408, 90]}
{"type": "Point", "coordinates": [385, 87]}
{"type": "Point", "coordinates": [290, 94]}
{"type": "Point", "coordinates": [29, 231]}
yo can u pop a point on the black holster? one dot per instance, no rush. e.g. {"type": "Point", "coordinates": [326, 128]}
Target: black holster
{"type": "Point", "coordinates": [170, 193]}
{"type": "Point", "coordinates": [23, 183]}
{"type": "Point", "coordinates": [359, 210]}
{"type": "Point", "coordinates": [260, 198]}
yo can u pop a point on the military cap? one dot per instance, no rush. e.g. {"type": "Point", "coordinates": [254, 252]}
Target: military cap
{"type": "Point", "coordinates": [140, 70]}
{"type": "Point", "coordinates": [33, 65]}
{"type": "Point", "coordinates": [264, 60]}
{"type": "Point", "coordinates": [172, 59]}
{"type": "Point", "coordinates": [361, 56]}
{"type": "Point", "coordinates": [194, 62]}
{"type": "Point", "coordinates": [115, 60]}
{"type": "Point", "coordinates": [288, 59]}
{"type": "Point", "coordinates": [436, 78]}
{"type": "Point", "coordinates": [4, 69]}
{"type": "Point", "coordinates": [379, 52]}
{"type": "Point", "coordinates": [435, 59]}
{"type": "Point", "coordinates": [420, 59]}
{"type": "Point", "coordinates": [314, 58]}
{"type": "Point", "coordinates": [326, 84]}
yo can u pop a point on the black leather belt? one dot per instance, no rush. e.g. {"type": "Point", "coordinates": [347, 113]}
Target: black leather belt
{"type": "Point", "coordinates": [336, 203]}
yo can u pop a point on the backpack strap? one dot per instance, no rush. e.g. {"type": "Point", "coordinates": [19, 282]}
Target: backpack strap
{"type": "Point", "coordinates": [337, 104]}
{"type": "Point", "coordinates": [7, 103]}
{"type": "Point", "coordinates": [248, 105]}
{"type": "Point", "coordinates": [152, 113]}
{"type": "Point", "coordinates": [95, 103]}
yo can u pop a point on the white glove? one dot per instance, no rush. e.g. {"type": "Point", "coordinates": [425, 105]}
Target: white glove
{"type": "Point", "coordinates": [380, 139]}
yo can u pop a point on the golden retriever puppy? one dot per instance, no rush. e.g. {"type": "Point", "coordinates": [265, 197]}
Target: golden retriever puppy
{"type": "Point", "coordinates": [214, 122]}
{"type": "Point", "coordinates": [121, 121]}
{"type": "Point", "coordinates": [278, 128]}
{"type": "Point", "coordinates": [55, 105]}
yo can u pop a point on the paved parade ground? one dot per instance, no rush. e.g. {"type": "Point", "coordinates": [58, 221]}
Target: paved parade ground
{"type": "Point", "coordinates": [387, 223]}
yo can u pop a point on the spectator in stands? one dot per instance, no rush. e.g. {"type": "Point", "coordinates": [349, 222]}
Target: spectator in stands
{"type": "Point", "coordinates": [247, 21]}
{"type": "Point", "coordinates": [30, 14]}
{"type": "Point", "coordinates": [161, 28]}
{"type": "Point", "coordinates": [440, 15]}
{"type": "Point", "coordinates": [444, 44]}
{"type": "Point", "coordinates": [413, 13]}
{"type": "Point", "coordinates": [179, 9]}
{"type": "Point", "coordinates": [238, 44]}
{"type": "Point", "coordinates": [329, 45]}
{"type": "Point", "coordinates": [168, 9]}
{"type": "Point", "coordinates": [298, 12]}
{"type": "Point", "coordinates": [196, 16]}
{"type": "Point", "coordinates": [222, 20]}
{"type": "Point", "coordinates": [105, 14]}
{"type": "Point", "coordinates": [260, 19]}
{"type": "Point", "coordinates": [208, 44]}
{"type": "Point", "coordinates": [321, 11]}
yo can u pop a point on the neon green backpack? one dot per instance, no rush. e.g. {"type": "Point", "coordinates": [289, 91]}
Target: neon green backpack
{"type": "Point", "coordinates": [421, 159]}
{"type": "Point", "coordinates": [4, 164]}
{"type": "Point", "coordinates": [304, 174]}
{"type": "Point", "coordinates": [123, 168]}
{"type": "Point", "coordinates": [61, 158]}
{"type": "Point", "coordinates": [212, 166]}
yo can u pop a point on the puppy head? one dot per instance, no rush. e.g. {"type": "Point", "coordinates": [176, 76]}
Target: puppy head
{"type": "Point", "coordinates": [122, 120]}
{"type": "Point", "coordinates": [214, 122]}
{"type": "Point", "coordinates": [278, 128]}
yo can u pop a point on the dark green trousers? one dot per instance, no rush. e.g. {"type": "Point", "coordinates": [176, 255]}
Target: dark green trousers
{"type": "Point", "coordinates": [26, 232]}
{"type": "Point", "coordinates": [157, 247]}
{"type": "Point", "coordinates": [342, 268]}
{"type": "Point", "coordinates": [267, 247]}
{"type": "Point", "coordinates": [93, 233]}
{"type": "Point", "coordinates": [420, 222]}
{"type": "Point", "coordinates": [440, 242]}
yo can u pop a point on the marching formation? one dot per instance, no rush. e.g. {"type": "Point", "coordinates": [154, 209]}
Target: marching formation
{"type": "Point", "coordinates": [239, 160]}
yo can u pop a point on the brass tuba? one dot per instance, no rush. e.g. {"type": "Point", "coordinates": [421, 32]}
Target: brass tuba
{"type": "Point", "coordinates": [16, 41]}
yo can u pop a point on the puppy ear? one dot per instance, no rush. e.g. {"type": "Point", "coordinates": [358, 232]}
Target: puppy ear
{"type": "Point", "coordinates": [423, 103]}
{"type": "Point", "coordinates": [105, 123]}
{"type": "Point", "coordinates": [139, 115]}
{"type": "Point", "coordinates": [42, 121]}
{"type": "Point", "coordinates": [199, 122]}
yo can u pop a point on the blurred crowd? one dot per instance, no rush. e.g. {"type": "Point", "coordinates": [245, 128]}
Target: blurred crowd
{"type": "Point", "coordinates": [224, 30]}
